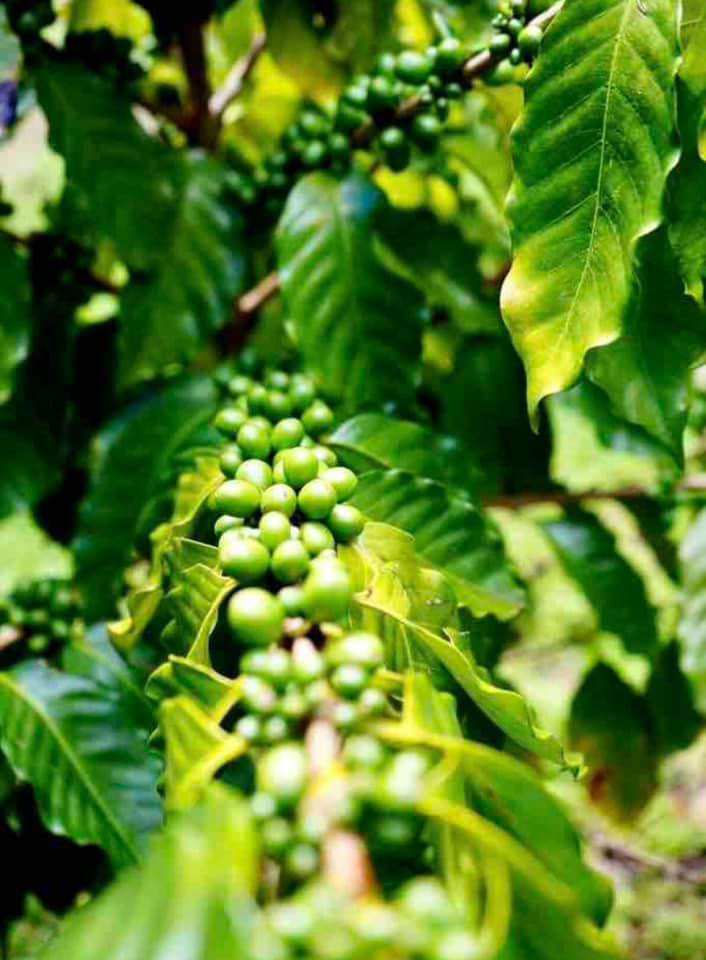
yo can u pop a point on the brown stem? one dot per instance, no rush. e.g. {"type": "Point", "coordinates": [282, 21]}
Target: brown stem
{"type": "Point", "coordinates": [514, 501]}
{"type": "Point", "coordinates": [198, 122]}
{"type": "Point", "coordinates": [235, 81]}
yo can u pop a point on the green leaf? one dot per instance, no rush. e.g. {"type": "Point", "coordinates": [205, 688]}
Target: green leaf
{"type": "Point", "coordinates": [437, 259]}
{"type": "Point", "coordinates": [692, 625]}
{"type": "Point", "coordinates": [189, 900]}
{"type": "Point", "coordinates": [592, 449]}
{"type": "Point", "coordinates": [645, 372]}
{"type": "Point", "coordinates": [340, 293]}
{"type": "Point", "coordinates": [589, 554]}
{"type": "Point", "coordinates": [374, 441]}
{"type": "Point", "coordinates": [610, 724]}
{"type": "Point", "coordinates": [670, 701]}
{"type": "Point", "coordinates": [451, 534]}
{"type": "Point", "coordinates": [592, 152]}
{"type": "Point", "coordinates": [15, 317]}
{"type": "Point", "coordinates": [140, 443]}
{"type": "Point", "coordinates": [28, 553]}
{"type": "Point", "coordinates": [196, 749]}
{"type": "Point", "coordinates": [318, 57]}
{"type": "Point", "coordinates": [495, 432]}
{"type": "Point", "coordinates": [168, 315]}
{"type": "Point", "coordinates": [195, 599]}
{"type": "Point", "coordinates": [215, 693]}
{"type": "Point", "coordinates": [126, 181]}
{"type": "Point", "coordinates": [95, 778]}
{"type": "Point", "coordinates": [687, 229]}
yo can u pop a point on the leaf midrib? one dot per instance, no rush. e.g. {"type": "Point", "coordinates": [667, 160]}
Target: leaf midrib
{"type": "Point", "coordinates": [21, 694]}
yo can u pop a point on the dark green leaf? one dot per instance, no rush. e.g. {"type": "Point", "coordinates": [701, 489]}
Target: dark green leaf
{"type": "Point", "coordinates": [15, 316]}
{"type": "Point", "coordinates": [645, 372]}
{"type": "Point", "coordinates": [450, 533]}
{"type": "Point", "coordinates": [692, 626]}
{"type": "Point", "coordinates": [372, 441]}
{"type": "Point", "coordinates": [168, 314]}
{"type": "Point", "coordinates": [589, 554]}
{"type": "Point", "coordinates": [190, 900]}
{"type": "Point", "coordinates": [132, 454]}
{"type": "Point", "coordinates": [340, 293]}
{"type": "Point", "coordinates": [592, 152]}
{"type": "Point", "coordinates": [670, 702]}
{"type": "Point", "coordinates": [610, 724]}
{"type": "Point", "coordinates": [95, 778]}
{"type": "Point", "coordinates": [197, 594]}
{"type": "Point", "coordinates": [126, 182]}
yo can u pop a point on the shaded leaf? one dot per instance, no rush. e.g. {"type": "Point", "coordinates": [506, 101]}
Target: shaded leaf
{"type": "Point", "coordinates": [95, 778]}
{"type": "Point", "coordinates": [450, 533]}
{"type": "Point", "coordinates": [589, 554]}
{"type": "Point", "coordinates": [610, 724]}
{"type": "Point", "coordinates": [132, 201]}
{"type": "Point", "coordinates": [139, 443]}
{"type": "Point", "coordinates": [600, 97]}
{"type": "Point", "coordinates": [215, 693]}
{"type": "Point", "coordinates": [374, 441]}
{"type": "Point", "coordinates": [692, 625]}
{"type": "Point", "coordinates": [169, 313]}
{"type": "Point", "coordinates": [190, 900]}
{"type": "Point", "coordinates": [670, 701]}
{"type": "Point", "coordinates": [645, 372]}
{"type": "Point", "coordinates": [196, 749]}
{"type": "Point", "coordinates": [15, 317]}
{"type": "Point", "coordinates": [340, 293]}
{"type": "Point", "coordinates": [195, 599]}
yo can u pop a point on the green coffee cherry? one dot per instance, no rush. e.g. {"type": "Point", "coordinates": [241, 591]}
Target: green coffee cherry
{"type": "Point", "coordinates": [529, 40]}
{"type": "Point", "coordinates": [237, 498]}
{"type": "Point", "coordinates": [275, 730]}
{"type": "Point", "coordinates": [293, 705]}
{"type": "Point", "coordinates": [276, 667]}
{"type": "Point", "coordinates": [500, 44]}
{"type": "Point", "coordinates": [302, 391]}
{"type": "Point", "coordinates": [287, 433]}
{"type": "Point", "coordinates": [254, 440]}
{"type": "Point", "coordinates": [280, 497]}
{"type": "Point", "coordinates": [364, 752]}
{"type": "Point", "coordinates": [300, 466]}
{"type": "Point", "coordinates": [256, 472]}
{"type": "Point", "coordinates": [346, 522]}
{"type": "Point", "coordinates": [327, 590]}
{"type": "Point", "coordinates": [275, 528]}
{"type": "Point", "coordinates": [276, 836]}
{"type": "Point", "coordinates": [302, 860]}
{"type": "Point", "coordinates": [316, 499]}
{"type": "Point", "coordinates": [290, 561]}
{"type": "Point", "coordinates": [239, 385]}
{"type": "Point", "coordinates": [256, 617]}
{"type": "Point", "coordinates": [372, 702]}
{"type": "Point", "coordinates": [256, 398]}
{"type": "Point", "coordinates": [230, 459]}
{"type": "Point", "coordinates": [381, 94]}
{"type": "Point", "coordinates": [349, 680]}
{"type": "Point", "coordinates": [249, 728]}
{"type": "Point", "coordinates": [515, 57]}
{"type": "Point", "coordinates": [343, 481]}
{"type": "Point", "coordinates": [277, 379]}
{"type": "Point", "coordinates": [364, 649]}
{"type": "Point", "coordinates": [316, 538]}
{"type": "Point", "coordinates": [426, 899]}
{"type": "Point", "coordinates": [456, 945]}
{"type": "Point", "coordinates": [226, 522]}
{"type": "Point", "coordinates": [324, 455]}
{"type": "Point", "coordinates": [426, 129]}
{"type": "Point", "coordinates": [262, 805]}
{"type": "Point", "coordinates": [307, 664]}
{"type": "Point", "coordinates": [317, 418]}
{"type": "Point", "coordinates": [229, 420]}
{"type": "Point", "coordinates": [282, 772]}
{"type": "Point", "coordinates": [413, 67]}
{"type": "Point", "coordinates": [277, 404]}
{"type": "Point", "coordinates": [243, 558]}
{"type": "Point", "coordinates": [257, 696]}
{"type": "Point", "coordinates": [292, 599]}
{"type": "Point", "coordinates": [448, 56]}
{"type": "Point", "coordinates": [395, 148]}
{"type": "Point", "coordinates": [501, 74]}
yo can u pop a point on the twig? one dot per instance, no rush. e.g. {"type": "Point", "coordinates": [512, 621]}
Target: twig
{"type": "Point", "coordinates": [514, 501]}
{"type": "Point", "coordinates": [639, 861]}
{"type": "Point", "coordinates": [198, 122]}
{"type": "Point", "coordinates": [235, 81]}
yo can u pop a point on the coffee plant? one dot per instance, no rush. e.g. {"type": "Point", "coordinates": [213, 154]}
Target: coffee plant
{"type": "Point", "coordinates": [346, 349]}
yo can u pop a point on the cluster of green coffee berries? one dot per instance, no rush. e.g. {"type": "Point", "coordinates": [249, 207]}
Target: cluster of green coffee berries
{"type": "Point", "coordinates": [282, 509]}
{"type": "Point", "coordinates": [38, 619]}
{"type": "Point", "coordinates": [514, 41]}
{"type": "Point", "coordinates": [317, 922]}
{"type": "Point", "coordinates": [321, 139]}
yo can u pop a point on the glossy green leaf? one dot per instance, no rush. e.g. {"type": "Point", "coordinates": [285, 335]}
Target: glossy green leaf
{"type": "Point", "coordinates": [507, 792]}
{"type": "Point", "coordinates": [375, 441]}
{"type": "Point", "coordinates": [213, 692]}
{"type": "Point", "coordinates": [592, 152]}
{"type": "Point", "coordinates": [140, 442]}
{"type": "Point", "coordinates": [594, 450]}
{"type": "Point", "coordinates": [589, 554]}
{"type": "Point", "coordinates": [117, 171]}
{"type": "Point", "coordinates": [15, 318]}
{"type": "Point", "coordinates": [645, 372]}
{"type": "Point", "coordinates": [451, 534]}
{"type": "Point", "coordinates": [687, 228]}
{"type": "Point", "coordinates": [319, 55]}
{"type": "Point", "coordinates": [610, 724]}
{"type": "Point", "coordinates": [195, 599]}
{"type": "Point", "coordinates": [692, 626]}
{"type": "Point", "coordinates": [94, 776]}
{"type": "Point", "coordinates": [340, 293]}
{"type": "Point", "coordinates": [189, 900]}
{"type": "Point", "coordinates": [168, 315]}
{"type": "Point", "coordinates": [435, 256]}
{"type": "Point", "coordinates": [196, 749]}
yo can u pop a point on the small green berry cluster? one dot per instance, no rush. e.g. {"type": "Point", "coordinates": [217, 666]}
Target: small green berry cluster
{"type": "Point", "coordinates": [326, 140]}
{"type": "Point", "coordinates": [317, 922]}
{"type": "Point", "coordinates": [514, 41]}
{"type": "Point", "coordinates": [38, 619]}
{"type": "Point", "coordinates": [281, 510]}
